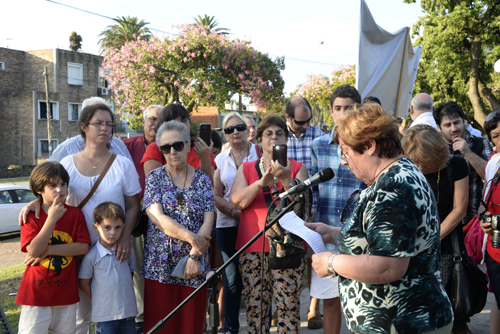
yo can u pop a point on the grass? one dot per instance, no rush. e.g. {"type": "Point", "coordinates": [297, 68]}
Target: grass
{"type": "Point", "coordinates": [15, 180]}
{"type": "Point", "coordinates": [10, 279]}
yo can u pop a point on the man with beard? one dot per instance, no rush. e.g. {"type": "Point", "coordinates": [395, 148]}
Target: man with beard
{"type": "Point", "coordinates": [450, 119]}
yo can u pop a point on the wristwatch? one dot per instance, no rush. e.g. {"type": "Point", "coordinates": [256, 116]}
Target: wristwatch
{"type": "Point", "coordinates": [194, 257]}
{"type": "Point", "coordinates": [331, 272]}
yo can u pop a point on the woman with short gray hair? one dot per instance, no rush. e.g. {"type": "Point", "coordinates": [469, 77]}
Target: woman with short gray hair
{"type": "Point", "coordinates": [180, 205]}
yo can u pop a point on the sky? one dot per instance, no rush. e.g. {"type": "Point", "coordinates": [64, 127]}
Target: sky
{"type": "Point", "coordinates": [314, 36]}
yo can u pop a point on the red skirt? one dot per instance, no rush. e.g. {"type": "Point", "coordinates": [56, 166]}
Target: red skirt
{"type": "Point", "coordinates": [160, 299]}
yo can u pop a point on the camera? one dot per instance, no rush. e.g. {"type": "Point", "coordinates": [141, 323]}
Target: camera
{"type": "Point", "coordinates": [495, 235]}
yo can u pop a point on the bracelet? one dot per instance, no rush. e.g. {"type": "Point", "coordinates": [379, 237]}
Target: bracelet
{"type": "Point", "coordinates": [230, 211]}
{"type": "Point", "coordinates": [331, 271]}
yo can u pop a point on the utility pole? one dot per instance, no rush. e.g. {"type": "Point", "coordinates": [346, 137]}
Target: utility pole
{"type": "Point", "coordinates": [240, 106]}
{"type": "Point", "coordinates": [46, 74]}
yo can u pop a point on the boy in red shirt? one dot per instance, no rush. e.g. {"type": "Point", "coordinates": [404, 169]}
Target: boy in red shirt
{"type": "Point", "coordinates": [49, 287]}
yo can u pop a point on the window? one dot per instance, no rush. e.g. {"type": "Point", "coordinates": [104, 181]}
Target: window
{"type": "Point", "coordinates": [43, 145]}
{"type": "Point", "coordinates": [2, 66]}
{"type": "Point", "coordinates": [75, 74]}
{"type": "Point", "coordinates": [74, 110]}
{"type": "Point", "coordinates": [103, 75]}
{"type": "Point", "coordinates": [42, 110]}
{"type": "Point", "coordinates": [25, 196]}
{"type": "Point", "coordinates": [5, 197]}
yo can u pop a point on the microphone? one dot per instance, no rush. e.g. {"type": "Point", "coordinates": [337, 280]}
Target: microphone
{"type": "Point", "coordinates": [323, 175]}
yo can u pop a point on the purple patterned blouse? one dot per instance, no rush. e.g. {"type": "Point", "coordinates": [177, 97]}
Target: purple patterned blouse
{"type": "Point", "coordinates": [162, 252]}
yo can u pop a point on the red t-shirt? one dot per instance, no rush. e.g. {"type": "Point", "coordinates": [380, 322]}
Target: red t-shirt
{"type": "Point", "coordinates": [153, 153]}
{"type": "Point", "coordinates": [54, 281]}
{"type": "Point", "coordinates": [253, 217]}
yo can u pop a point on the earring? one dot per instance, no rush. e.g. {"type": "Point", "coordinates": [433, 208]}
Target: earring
{"type": "Point", "coordinates": [369, 154]}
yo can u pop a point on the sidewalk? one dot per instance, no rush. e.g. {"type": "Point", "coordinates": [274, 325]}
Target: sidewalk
{"type": "Point", "coordinates": [480, 323]}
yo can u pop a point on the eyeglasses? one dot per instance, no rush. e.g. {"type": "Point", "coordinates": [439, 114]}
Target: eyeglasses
{"type": "Point", "coordinates": [302, 122]}
{"type": "Point", "coordinates": [346, 211]}
{"type": "Point", "coordinates": [151, 119]}
{"type": "Point", "coordinates": [178, 146]}
{"type": "Point", "coordinates": [251, 127]}
{"type": "Point", "coordinates": [269, 134]}
{"type": "Point", "coordinates": [239, 127]}
{"type": "Point", "coordinates": [343, 156]}
{"type": "Point", "coordinates": [99, 124]}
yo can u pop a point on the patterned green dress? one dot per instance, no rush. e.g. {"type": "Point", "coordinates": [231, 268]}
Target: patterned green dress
{"type": "Point", "coordinates": [396, 217]}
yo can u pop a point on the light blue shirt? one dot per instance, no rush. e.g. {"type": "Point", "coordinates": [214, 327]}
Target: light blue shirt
{"type": "Point", "coordinates": [77, 143]}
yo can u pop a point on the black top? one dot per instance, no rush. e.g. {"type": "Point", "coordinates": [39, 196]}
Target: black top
{"type": "Point", "coordinates": [445, 204]}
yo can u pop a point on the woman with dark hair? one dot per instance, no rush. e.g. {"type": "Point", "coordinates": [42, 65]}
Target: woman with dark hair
{"type": "Point", "coordinates": [388, 266]}
{"type": "Point", "coordinates": [254, 181]}
{"type": "Point", "coordinates": [492, 255]}
{"type": "Point", "coordinates": [200, 156]}
{"type": "Point", "coordinates": [119, 185]}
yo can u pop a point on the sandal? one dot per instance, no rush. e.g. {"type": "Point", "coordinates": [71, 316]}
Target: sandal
{"type": "Point", "coordinates": [314, 320]}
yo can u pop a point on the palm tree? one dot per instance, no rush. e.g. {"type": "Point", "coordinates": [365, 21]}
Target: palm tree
{"type": "Point", "coordinates": [127, 29]}
{"type": "Point", "coordinates": [210, 23]}
{"type": "Point", "coordinates": [75, 41]}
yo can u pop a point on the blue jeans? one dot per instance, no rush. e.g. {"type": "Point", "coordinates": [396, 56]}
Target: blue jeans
{"type": "Point", "coordinates": [122, 326]}
{"type": "Point", "coordinates": [226, 240]}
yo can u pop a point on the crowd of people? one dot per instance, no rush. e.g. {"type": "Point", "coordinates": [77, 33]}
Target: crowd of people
{"type": "Point", "coordinates": [387, 220]}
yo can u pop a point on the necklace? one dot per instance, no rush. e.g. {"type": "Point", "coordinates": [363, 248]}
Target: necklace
{"type": "Point", "coordinates": [179, 195]}
{"type": "Point", "coordinates": [376, 176]}
{"type": "Point", "coordinates": [94, 166]}
{"type": "Point", "coordinates": [234, 158]}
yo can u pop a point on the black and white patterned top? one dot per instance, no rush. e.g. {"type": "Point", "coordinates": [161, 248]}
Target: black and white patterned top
{"type": "Point", "coordinates": [396, 217]}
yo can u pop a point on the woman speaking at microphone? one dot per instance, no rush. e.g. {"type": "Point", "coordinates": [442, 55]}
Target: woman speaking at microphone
{"type": "Point", "coordinates": [389, 246]}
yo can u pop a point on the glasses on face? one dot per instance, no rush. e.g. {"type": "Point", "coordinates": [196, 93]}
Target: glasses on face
{"type": "Point", "coordinates": [251, 127]}
{"type": "Point", "coordinates": [343, 156]}
{"type": "Point", "coordinates": [178, 146]}
{"type": "Point", "coordinates": [239, 127]}
{"type": "Point", "coordinates": [307, 121]}
{"type": "Point", "coordinates": [152, 119]}
{"type": "Point", "coordinates": [99, 124]}
{"type": "Point", "coordinates": [346, 211]}
{"type": "Point", "coordinates": [269, 134]}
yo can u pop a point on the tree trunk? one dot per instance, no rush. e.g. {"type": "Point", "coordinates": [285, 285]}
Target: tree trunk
{"type": "Point", "coordinates": [473, 93]}
{"type": "Point", "coordinates": [488, 96]}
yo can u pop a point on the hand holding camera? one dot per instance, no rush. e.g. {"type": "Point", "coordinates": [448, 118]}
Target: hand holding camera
{"type": "Point", "coordinates": [490, 225]}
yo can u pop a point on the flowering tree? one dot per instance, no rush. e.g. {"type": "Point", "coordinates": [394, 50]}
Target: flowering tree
{"type": "Point", "coordinates": [318, 88]}
{"type": "Point", "coordinates": [195, 67]}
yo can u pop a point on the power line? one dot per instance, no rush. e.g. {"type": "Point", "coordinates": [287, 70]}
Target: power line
{"type": "Point", "coordinates": [169, 33]}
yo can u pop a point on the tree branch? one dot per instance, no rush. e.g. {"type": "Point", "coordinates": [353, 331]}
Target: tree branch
{"type": "Point", "coordinates": [473, 92]}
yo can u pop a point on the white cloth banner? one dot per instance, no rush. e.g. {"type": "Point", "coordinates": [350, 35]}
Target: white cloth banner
{"type": "Point", "coordinates": [387, 64]}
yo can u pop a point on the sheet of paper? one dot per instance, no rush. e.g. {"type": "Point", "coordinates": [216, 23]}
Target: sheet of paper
{"type": "Point", "coordinates": [292, 223]}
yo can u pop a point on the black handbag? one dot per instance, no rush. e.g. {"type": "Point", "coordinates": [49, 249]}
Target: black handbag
{"type": "Point", "coordinates": [468, 286]}
{"type": "Point", "coordinates": [292, 261]}
{"type": "Point", "coordinates": [142, 225]}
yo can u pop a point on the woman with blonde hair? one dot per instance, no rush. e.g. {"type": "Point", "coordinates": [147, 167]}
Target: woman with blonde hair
{"type": "Point", "coordinates": [428, 149]}
{"type": "Point", "coordinates": [388, 265]}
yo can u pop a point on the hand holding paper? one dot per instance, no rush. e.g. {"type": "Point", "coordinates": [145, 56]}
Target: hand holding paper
{"type": "Point", "coordinates": [292, 223]}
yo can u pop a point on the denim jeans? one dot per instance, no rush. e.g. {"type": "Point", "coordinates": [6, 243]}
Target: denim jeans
{"type": "Point", "coordinates": [122, 326]}
{"type": "Point", "coordinates": [226, 240]}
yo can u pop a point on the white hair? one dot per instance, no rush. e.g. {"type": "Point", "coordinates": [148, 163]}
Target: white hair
{"type": "Point", "coordinates": [93, 100]}
{"type": "Point", "coordinates": [173, 126]}
{"type": "Point", "coordinates": [148, 109]}
{"type": "Point", "coordinates": [231, 115]}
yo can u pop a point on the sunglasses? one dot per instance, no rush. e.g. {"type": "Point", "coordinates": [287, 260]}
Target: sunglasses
{"type": "Point", "coordinates": [178, 146]}
{"type": "Point", "coordinates": [346, 211]}
{"type": "Point", "coordinates": [239, 127]}
{"type": "Point", "coordinates": [302, 122]}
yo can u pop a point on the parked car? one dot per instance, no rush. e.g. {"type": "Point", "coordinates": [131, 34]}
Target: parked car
{"type": "Point", "coordinates": [12, 199]}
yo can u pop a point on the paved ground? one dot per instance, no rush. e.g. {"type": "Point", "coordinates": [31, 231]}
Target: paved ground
{"type": "Point", "coordinates": [10, 254]}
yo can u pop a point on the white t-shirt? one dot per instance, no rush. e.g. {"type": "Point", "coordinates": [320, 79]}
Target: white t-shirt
{"type": "Point", "coordinates": [426, 118]}
{"type": "Point", "coordinates": [227, 174]}
{"type": "Point", "coordinates": [120, 180]}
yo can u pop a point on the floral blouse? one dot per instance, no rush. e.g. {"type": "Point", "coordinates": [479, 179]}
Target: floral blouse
{"type": "Point", "coordinates": [187, 207]}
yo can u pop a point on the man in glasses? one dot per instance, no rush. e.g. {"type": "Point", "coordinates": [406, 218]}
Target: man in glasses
{"type": "Point", "coordinates": [333, 197]}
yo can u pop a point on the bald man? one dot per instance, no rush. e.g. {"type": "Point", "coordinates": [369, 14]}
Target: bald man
{"type": "Point", "coordinates": [421, 110]}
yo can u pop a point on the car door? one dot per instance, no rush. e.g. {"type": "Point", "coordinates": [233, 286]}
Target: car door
{"type": "Point", "coordinates": [9, 211]}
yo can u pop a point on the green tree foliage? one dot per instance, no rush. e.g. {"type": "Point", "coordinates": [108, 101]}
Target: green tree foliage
{"type": "Point", "coordinates": [125, 30]}
{"type": "Point", "coordinates": [194, 67]}
{"type": "Point", "coordinates": [461, 42]}
{"type": "Point", "coordinates": [211, 23]}
{"type": "Point", "coordinates": [75, 41]}
{"type": "Point", "coordinates": [318, 88]}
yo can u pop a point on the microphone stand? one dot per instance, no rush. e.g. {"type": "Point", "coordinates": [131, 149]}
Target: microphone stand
{"type": "Point", "coordinates": [214, 277]}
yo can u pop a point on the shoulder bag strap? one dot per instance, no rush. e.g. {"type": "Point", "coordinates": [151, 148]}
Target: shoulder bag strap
{"type": "Point", "coordinates": [453, 234]}
{"type": "Point", "coordinates": [96, 184]}
{"type": "Point", "coordinates": [266, 190]}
